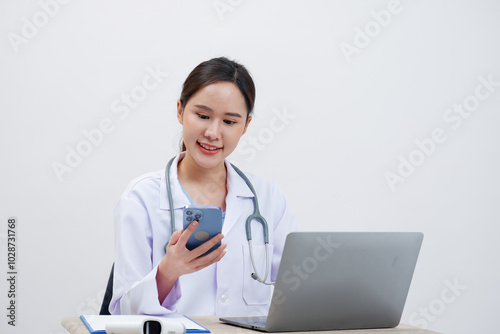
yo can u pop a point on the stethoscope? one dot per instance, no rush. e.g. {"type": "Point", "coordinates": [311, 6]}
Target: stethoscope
{"type": "Point", "coordinates": [255, 215]}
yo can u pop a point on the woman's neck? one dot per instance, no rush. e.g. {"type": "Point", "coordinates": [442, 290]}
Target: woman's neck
{"type": "Point", "coordinates": [206, 186]}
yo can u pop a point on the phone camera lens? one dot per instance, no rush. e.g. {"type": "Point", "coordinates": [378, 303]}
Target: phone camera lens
{"type": "Point", "coordinates": [197, 216]}
{"type": "Point", "coordinates": [189, 213]}
{"type": "Point", "coordinates": [189, 219]}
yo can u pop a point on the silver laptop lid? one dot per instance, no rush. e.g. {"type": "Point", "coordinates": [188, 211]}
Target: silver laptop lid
{"type": "Point", "coordinates": [343, 280]}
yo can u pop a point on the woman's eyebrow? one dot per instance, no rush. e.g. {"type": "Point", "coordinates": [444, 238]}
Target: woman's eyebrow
{"type": "Point", "coordinates": [233, 114]}
{"type": "Point", "coordinates": [204, 107]}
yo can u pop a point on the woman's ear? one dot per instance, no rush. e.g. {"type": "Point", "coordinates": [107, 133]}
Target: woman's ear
{"type": "Point", "coordinates": [179, 111]}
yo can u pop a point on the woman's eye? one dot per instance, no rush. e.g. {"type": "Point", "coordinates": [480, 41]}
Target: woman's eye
{"type": "Point", "coordinates": [229, 122]}
{"type": "Point", "coordinates": [202, 116]}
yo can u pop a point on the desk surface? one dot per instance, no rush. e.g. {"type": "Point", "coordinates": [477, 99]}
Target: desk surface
{"type": "Point", "coordinates": [75, 326]}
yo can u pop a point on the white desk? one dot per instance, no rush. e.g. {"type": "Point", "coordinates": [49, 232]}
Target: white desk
{"type": "Point", "coordinates": [75, 326]}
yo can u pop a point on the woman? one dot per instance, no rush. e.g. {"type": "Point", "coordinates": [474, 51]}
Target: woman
{"type": "Point", "coordinates": [215, 110]}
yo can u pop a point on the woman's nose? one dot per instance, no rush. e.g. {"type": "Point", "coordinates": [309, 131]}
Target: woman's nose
{"type": "Point", "coordinates": [213, 131]}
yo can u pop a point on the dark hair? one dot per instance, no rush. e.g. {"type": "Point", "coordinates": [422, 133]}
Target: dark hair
{"type": "Point", "coordinates": [218, 70]}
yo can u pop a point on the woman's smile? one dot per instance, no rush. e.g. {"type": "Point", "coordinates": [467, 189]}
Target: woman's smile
{"type": "Point", "coordinates": [208, 149]}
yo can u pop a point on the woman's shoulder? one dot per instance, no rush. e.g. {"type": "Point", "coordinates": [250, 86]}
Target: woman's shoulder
{"type": "Point", "coordinates": [264, 184]}
{"type": "Point", "coordinates": [144, 184]}
{"type": "Point", "coordinates": [261, 180]}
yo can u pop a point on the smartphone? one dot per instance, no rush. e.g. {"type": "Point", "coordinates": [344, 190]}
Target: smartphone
{"type": "Point", "coordinates": [209, 224]}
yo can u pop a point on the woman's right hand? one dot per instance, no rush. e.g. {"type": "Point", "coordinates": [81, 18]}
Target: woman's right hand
{"type": "Point", "coordinates": [179, 260]}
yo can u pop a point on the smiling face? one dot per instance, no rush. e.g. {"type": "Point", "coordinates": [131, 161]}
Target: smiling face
{"type": "Point", "coordinates": [214, 119]}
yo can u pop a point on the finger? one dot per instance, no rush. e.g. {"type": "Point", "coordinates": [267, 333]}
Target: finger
{"type": "Point", "coordinates": [207, 245]}
{"type": "Point", "coordinates": [186, 234]}
{"type": "Point", "coordinates": [200, 261]}
{"type": "Point", "coordinates": [220, 252]}
{"type": "Point", "coordinates": [209, 259]}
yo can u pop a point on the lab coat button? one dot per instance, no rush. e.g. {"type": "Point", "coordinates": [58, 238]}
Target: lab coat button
{"type": "Point", "coordinates": [224, 298]}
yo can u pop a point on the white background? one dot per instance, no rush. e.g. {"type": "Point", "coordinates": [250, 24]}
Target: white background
{"type": "Point", "coordinates": [350, 119]}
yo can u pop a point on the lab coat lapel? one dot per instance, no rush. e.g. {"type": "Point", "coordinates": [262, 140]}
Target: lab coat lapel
{"type": "Point", "coordinates": [237, 190]}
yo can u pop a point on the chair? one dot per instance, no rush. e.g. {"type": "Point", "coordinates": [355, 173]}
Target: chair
{"type": "Point", "coordinates": [108, 294]}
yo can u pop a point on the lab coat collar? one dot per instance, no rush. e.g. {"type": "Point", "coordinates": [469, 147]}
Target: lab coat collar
{"type": "Point", "coordinates": [236, 188]}
{"type": "Point", "coordinates": [235, 184]}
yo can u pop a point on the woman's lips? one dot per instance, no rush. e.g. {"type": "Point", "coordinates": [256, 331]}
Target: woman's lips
{"type": "Point", "coordinates": [208, 149]}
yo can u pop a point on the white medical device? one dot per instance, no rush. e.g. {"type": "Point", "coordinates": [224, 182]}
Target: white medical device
{"type": "Point", "coordinates": [141, 325]}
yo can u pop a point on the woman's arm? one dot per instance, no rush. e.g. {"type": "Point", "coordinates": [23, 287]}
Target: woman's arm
{"type": "Point", "coordinates": [179, 261]}
{"type": "Point", "coordinates": [134, 287]}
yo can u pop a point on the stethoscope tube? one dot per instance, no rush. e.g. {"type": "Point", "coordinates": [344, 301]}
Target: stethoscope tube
{"type": "Point", "coordinates": [257, 216]}
{"type": "Point", "coordinates": [248, 225]}
{"type": "Point", "coordinates": [169, 195]}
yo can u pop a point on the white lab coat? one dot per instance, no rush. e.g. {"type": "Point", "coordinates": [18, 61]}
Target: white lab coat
{"type": "Point", "coordinates": [142, 230]}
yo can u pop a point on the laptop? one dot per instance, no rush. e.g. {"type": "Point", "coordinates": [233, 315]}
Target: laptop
{"type": "Point", "coordinates": [339, 280]}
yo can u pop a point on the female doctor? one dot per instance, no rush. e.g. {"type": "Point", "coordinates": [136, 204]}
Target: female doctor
{"type": "Point", "coordinates": [154, 271]}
